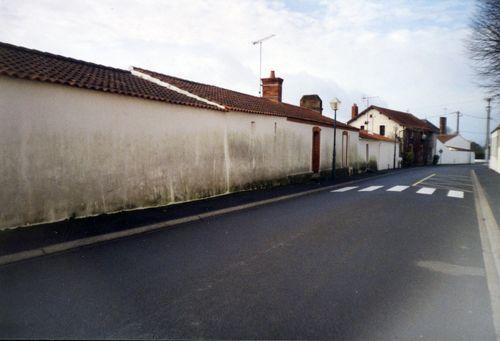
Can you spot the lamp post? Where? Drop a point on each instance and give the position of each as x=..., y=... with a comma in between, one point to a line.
x=334, y=104
x=396, y=138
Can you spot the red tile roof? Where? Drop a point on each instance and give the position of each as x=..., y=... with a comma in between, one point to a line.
x=238, y=101
x=20, y=62
x=403, y=118
x=366, y=135
x=459, y=149
x=431, y=126
x=445, y=137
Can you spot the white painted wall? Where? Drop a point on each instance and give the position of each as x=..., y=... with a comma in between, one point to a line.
x=495, y=151
x=375, y=122
x=459, y=142
x=72, y=152
x=380, y=151
x=453, y=156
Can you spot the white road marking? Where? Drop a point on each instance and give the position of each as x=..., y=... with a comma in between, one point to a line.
x=345, y=189
x=397, y=188
x=451, y=269
x=426, y=190
x=427, y=177
x=456, y=194
x=371, y=188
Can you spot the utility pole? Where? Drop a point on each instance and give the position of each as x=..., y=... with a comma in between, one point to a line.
x=260, y=41
x=458, y=120
x=488, y=118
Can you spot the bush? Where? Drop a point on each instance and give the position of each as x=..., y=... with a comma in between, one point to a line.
x=408, y=159
x=435, y=159
x=359, y=167
x=372, y=165
x=342, y=172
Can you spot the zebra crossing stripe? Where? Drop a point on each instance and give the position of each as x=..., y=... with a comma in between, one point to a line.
x=344, y=189
x=397, y=188
x=371, y=188
x=426, y=190
x=456, y=194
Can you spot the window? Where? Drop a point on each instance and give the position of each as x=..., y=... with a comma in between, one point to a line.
x=382, y=130
x=362, y=127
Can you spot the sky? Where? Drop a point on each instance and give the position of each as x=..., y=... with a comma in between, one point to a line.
x=407, y=55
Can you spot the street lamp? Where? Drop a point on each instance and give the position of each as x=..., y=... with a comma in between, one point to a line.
x=396, y=138
x=334, y=104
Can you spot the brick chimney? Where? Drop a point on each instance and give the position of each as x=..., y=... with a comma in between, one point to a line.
x=442, y=125
x=312, y=102
x=272, y=87
x=354, y=110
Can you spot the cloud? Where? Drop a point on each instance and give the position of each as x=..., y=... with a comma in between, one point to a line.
x=410, y=55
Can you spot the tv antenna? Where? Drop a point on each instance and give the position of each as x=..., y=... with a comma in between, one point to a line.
x=367, y=99
x=260, y=41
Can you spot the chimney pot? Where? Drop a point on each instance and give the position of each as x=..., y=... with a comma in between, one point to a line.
x=272, y=87
x=312, y=102
x=354, y=110
x=442, y=125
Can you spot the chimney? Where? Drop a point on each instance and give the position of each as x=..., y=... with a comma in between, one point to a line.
x=271, y=87
x=442, y=125
x=354, y=110
x=312, y=102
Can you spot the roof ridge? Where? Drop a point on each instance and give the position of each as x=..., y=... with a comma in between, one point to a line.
x=194, y=82
x=60, y=57
x=226, y=89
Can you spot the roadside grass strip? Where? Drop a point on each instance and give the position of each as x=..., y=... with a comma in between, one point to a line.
x=426, y=190
x=397, y=188
x=456, y=194
x=370, y=188
x=344, y=189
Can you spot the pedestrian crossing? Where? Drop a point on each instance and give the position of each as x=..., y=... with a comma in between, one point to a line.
x=400, y=188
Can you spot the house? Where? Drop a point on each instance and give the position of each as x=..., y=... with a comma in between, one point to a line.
x=382, y=150
x=495, y=149
x=416, y=137
x=80, y=139
x=453, y=148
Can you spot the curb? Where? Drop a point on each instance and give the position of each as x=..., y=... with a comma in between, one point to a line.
x=73, y=244
x=490, y=244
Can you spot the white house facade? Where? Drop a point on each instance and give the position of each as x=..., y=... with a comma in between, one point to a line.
x=414, y=136
x=379, y=149
x=454, y=150
x=79, y=139
x=494, y=162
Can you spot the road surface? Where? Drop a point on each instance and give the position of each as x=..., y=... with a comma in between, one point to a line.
x=384, y=260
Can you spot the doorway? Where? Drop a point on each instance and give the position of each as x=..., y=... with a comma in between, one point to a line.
x=315, y=149
x=345, y=145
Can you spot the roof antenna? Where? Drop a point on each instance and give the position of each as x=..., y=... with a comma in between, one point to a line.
x=367, y=99
x=260, y=41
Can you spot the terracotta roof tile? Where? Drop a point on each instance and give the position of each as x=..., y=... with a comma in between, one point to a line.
x=20, y=62
x=445, y=137
x=431, y=126
x=238, y=101
x=366, y=135
x=403, y=118
x=459, y=149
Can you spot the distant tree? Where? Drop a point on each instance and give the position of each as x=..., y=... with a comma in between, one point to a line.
x=478, y=150
x=484, y=44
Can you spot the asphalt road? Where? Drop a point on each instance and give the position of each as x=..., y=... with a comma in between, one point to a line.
x=346, y=265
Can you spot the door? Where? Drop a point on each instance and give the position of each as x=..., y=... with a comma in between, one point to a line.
x=315, y=149
x=345, y=141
